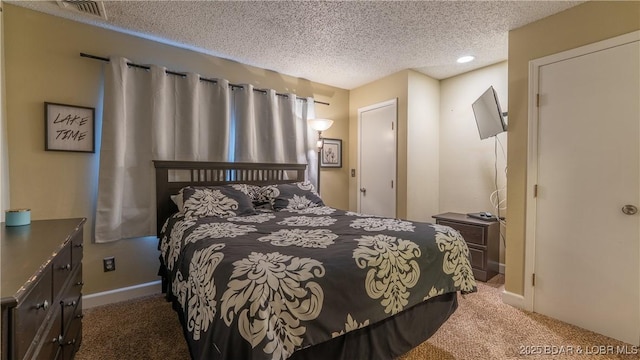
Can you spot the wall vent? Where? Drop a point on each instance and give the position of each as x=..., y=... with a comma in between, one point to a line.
x=93, y=8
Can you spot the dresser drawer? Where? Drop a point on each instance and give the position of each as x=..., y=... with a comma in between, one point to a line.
x=61, y=268
x=76, y=249
x=73, y=334
x=71, y=298
x=472, y=234
x=50, y=343
x=31, y=313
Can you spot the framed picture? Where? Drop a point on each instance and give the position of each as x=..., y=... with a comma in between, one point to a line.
x=69, y=128
x=331, y=156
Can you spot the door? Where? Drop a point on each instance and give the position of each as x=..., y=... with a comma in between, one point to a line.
x=377, y=159
x=587, y=235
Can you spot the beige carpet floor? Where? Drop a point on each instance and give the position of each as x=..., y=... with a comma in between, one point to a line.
x=482, y=328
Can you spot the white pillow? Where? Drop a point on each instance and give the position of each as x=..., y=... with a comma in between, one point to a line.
x=177, y=199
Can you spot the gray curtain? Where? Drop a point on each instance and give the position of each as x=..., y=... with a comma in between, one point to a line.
x=150, y=115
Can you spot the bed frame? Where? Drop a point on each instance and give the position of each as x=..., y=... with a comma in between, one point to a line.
x=171, y=176
x=383, y=340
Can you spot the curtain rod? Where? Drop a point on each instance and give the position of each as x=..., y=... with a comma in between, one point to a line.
x=183, y=75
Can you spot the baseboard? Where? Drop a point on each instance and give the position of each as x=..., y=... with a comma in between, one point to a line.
x=515, y=300
x=501, y=268
x=122, y=294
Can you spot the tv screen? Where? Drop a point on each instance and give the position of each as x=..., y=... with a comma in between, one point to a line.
x=488, y=114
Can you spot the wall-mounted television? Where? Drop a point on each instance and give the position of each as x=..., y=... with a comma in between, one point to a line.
x=489, y=115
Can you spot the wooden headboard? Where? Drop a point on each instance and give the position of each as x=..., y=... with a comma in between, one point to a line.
x=171, y=176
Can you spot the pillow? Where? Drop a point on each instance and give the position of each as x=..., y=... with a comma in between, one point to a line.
x=256, y=194
x=221, y=201
x=295, y=196
x=253, y=191
x=177, y=199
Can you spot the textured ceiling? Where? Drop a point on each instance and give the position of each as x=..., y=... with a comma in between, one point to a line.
x=344, y=44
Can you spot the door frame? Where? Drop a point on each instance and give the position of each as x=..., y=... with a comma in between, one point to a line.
x=532, y=152
x=393, y=102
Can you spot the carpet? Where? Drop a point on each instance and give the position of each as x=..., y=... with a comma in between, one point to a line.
x=482, y=328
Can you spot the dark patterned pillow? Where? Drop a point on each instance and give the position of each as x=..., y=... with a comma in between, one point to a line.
x=295, y=196
x=255, y=194
x=221, y=201
x=252, y=191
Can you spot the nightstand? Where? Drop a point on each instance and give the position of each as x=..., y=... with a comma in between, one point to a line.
x=483, y=240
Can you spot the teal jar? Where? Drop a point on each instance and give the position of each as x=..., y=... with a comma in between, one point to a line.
x=17, y=217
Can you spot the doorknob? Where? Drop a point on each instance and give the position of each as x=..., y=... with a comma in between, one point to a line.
x=629, y=210
x=363, y=191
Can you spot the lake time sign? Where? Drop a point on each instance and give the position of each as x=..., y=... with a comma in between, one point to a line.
x=69, y=128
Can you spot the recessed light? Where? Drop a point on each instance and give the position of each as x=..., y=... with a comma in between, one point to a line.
x=465, y=59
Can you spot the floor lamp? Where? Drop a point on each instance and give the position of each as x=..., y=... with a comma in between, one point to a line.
x=319, y=125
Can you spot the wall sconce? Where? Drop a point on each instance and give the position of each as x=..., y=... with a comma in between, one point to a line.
x=319, y=125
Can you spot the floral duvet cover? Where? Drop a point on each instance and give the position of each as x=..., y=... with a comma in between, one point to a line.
x=263, y=286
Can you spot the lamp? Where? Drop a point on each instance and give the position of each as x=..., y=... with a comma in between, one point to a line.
x=319, y=125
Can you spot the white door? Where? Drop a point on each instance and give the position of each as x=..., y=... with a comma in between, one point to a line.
x=377, y=159
x=587, y=266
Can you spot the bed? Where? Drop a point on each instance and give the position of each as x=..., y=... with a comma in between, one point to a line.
x=257, y=267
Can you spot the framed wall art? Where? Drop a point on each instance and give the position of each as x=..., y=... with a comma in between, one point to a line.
x=331, y=156
x=69, y=128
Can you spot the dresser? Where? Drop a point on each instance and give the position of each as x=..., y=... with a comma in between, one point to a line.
x=41, y=289
x=483, y=241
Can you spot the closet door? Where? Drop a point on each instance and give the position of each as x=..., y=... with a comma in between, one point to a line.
x=377, y=159
x=587, y=233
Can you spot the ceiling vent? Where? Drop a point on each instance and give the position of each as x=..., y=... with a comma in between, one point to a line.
x=92, y=8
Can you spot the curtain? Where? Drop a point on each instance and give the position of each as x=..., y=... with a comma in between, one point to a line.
x=309, y=150
x=151, y=115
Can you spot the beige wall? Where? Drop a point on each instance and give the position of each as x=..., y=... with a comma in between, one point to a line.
x=4, y=157
x=423, y=141
x=584, y=24
x=334, y=181
x=442, y=163
x=43, y=64
x=467, y=168
x=388, y=88
x=417, y=139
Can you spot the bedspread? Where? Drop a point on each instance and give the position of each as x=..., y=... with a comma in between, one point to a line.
x=275, y=282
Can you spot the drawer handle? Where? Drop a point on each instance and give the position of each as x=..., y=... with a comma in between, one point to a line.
x=65, y=267
x=73, y=303
x=80, y=283
x=78, y=245
x=71, y=342
x=57, y=339
x=79, y=316
x=44, y=305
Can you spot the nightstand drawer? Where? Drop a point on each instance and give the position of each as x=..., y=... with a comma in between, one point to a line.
x=477, y=258
x=482, y=275
x=471, y=234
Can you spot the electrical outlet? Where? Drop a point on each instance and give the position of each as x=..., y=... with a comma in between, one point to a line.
x=109, y=264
